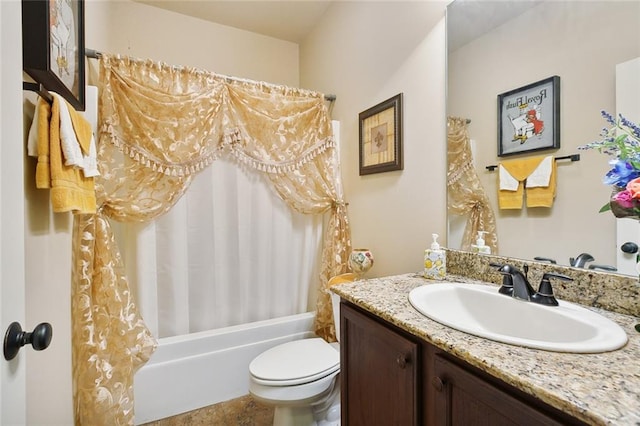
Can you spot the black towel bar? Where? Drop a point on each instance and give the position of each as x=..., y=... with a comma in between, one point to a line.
x=572, y=157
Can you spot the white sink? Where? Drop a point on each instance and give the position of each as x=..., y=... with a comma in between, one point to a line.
x=482, y=311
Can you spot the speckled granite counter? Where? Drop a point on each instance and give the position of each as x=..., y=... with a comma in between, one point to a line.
x=596, y=388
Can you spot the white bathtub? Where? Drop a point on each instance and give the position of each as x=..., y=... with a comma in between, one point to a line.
x=201, y=369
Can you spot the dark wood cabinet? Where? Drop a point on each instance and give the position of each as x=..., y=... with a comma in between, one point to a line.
x=391, y=377
x=379, y=372
x=463, y=399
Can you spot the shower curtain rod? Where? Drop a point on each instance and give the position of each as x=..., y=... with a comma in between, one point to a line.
x=91, y=53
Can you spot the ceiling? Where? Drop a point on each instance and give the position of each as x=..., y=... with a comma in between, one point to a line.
x=285, y=20
x=293, y=20
x=470, y=19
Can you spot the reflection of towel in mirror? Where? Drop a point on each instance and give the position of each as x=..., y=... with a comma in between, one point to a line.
x=539, y=174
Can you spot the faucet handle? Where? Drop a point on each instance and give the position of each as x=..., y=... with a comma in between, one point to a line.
x=544, y=295
x=603, y=267
x=507, y=278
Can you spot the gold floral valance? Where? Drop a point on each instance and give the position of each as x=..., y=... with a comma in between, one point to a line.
x=178, y=120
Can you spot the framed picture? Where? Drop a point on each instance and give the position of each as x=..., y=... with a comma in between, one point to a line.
x=381, y=137
x=53, y=47
x=529, y=118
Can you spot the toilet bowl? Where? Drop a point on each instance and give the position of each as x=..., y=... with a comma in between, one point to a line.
x=300, y=379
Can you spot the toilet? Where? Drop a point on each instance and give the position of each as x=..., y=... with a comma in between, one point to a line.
x=300, y=378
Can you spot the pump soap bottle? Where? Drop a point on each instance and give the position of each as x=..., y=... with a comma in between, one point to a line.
x=480, y=246
x=435, y=261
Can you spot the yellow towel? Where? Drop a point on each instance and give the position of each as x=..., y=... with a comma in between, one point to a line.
x=543, y=196
x=536, y=197
x=70, y=190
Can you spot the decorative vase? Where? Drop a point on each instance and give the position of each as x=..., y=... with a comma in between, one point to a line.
x=360, y=261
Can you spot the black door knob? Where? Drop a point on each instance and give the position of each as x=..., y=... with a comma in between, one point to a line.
x=629, y=247
x=15, y=338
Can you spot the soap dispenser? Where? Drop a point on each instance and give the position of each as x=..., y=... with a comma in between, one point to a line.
x=480, y=246
x=435, y=260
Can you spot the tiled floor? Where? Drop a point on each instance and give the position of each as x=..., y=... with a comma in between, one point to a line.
x=243, y=411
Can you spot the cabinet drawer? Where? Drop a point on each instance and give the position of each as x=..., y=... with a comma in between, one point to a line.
x=462, y=398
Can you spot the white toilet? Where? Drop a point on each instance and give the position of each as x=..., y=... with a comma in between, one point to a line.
x=300, y=379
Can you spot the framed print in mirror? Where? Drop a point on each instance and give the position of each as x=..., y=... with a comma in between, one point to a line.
x=529, y=118
x=381, y=137
x=53, y=47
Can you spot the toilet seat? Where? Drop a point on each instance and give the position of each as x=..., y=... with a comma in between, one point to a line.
x=295, y=363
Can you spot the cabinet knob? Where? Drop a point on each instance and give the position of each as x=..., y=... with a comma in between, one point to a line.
x=403, y=360
x=437, y=383
x=629, y=247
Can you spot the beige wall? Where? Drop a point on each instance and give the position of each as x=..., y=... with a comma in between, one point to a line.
x=581, y=42
x=138, y=30
x=365, y=53
x=143, y=31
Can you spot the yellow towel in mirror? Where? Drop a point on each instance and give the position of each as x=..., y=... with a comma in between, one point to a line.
x=519, y=170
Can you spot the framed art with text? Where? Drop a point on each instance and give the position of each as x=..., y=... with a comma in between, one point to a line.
x=381, y=137
x=53, y=47
x=529, y=118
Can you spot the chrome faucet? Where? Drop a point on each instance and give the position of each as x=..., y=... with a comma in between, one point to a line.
x=521, y=289
x=581, y=260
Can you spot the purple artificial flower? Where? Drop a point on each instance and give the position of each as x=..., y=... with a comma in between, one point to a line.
x=608, y=117
x=624, y=199
x=622, y=173
x=635, y=129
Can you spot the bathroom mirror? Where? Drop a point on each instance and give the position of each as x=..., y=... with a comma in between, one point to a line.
x=498, y=46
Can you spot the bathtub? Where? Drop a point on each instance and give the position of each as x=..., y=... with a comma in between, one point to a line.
x=200, y=369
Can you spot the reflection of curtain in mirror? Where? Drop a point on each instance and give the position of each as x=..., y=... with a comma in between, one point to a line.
x=465, y=195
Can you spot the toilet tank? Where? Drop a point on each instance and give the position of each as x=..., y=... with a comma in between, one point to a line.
x=335, y=299
x=335, y=304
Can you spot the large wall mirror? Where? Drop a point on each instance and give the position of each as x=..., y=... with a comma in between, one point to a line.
x=498, y=46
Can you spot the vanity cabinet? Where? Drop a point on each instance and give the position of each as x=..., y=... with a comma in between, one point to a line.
x=391, y=377
x=379, y=372
x=462, y=398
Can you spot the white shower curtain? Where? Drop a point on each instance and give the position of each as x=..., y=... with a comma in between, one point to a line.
x=203, y=266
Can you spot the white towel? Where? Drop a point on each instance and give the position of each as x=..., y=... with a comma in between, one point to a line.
x=541, y=176
x=507, y=182
x=71, y=149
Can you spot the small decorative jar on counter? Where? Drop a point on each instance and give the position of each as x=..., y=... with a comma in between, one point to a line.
x=360, y=261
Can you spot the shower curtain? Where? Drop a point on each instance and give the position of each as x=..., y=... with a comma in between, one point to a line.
x=159, y=126
x=229, y=252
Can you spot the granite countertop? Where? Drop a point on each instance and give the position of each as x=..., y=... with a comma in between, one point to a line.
x=598, y=389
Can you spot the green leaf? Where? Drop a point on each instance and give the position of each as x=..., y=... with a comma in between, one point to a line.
x=605, y=208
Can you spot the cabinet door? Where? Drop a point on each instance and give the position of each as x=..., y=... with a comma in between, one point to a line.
x=379, y=369
x=462, y=398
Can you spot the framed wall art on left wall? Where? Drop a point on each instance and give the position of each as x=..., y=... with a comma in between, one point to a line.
x=53, y=47
x=381, y=137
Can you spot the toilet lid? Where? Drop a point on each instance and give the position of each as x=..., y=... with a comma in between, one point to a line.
x=296, y=362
